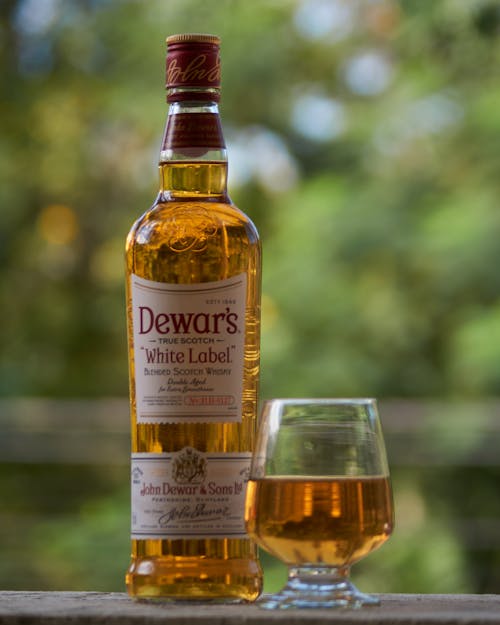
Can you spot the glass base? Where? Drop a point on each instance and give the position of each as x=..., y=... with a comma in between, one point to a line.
x=318, y=587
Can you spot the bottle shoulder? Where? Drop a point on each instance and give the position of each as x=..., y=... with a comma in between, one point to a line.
x=191, y=242
x=178, y=218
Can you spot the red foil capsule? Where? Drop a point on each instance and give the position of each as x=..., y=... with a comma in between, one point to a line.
x=193, y=67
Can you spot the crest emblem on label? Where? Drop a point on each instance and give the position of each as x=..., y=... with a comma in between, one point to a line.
x=189, y=467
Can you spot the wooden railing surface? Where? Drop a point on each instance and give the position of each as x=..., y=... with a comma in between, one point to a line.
x=70, y=608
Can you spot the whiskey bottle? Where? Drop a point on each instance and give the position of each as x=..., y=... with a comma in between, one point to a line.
x=193, y=307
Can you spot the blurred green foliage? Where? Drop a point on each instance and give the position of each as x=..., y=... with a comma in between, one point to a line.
x=364, y=142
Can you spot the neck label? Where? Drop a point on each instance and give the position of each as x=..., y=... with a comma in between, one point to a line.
x=193, y=130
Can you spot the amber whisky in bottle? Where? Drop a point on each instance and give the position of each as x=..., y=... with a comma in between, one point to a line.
x=193, y=306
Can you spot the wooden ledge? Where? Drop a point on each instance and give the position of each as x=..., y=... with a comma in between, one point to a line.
x=94, y=608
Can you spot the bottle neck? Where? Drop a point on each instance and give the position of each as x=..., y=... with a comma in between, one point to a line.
x=193, y=158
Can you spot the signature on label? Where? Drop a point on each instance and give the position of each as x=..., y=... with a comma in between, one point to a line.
x=198, y=513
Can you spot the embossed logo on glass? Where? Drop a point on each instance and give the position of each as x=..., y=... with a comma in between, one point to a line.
x=189, y=227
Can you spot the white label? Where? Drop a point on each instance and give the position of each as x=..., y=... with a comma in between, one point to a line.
x=189, y=494
x=189, y=343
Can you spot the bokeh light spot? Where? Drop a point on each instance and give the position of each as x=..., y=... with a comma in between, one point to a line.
x=368, y=73
x=318, y=117
x=58, y=224
x=318, y=19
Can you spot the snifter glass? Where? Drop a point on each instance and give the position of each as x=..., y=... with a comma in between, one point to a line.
x=319, y=497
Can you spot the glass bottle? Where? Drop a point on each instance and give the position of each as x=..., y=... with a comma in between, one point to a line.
x=193, y=304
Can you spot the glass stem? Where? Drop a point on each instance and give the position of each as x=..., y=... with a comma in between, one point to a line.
x=318, y=577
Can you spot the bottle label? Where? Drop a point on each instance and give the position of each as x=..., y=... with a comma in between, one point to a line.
x=189, y=494
x=193, y=130
x=189, y=343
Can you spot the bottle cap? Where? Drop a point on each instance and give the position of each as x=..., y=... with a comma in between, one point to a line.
x=193, y=67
